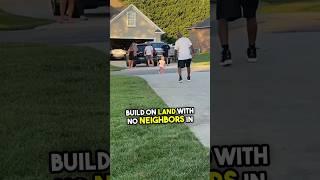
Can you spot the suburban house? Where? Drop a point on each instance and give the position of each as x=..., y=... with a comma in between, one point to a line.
x=129, y=24
x=199, y=34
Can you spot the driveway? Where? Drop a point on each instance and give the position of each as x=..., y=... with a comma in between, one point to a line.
x=31, y=8
x=187, y=94
x=91, y=33
x=274, y=101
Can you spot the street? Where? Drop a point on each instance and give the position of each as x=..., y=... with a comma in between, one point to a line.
x=274, y=101
x=91, y=33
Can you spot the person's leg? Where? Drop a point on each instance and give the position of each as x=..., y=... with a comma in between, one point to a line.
x=71, y=4
x=63, y=6
x=223, y=31
x=80, y=9
x=252, y=29
x=188, y=65
x=224, y=41
x=179, y=72
x=249, y=11
x=148, y=61
x=188, y=71
x=130, y=64
x=180, y=66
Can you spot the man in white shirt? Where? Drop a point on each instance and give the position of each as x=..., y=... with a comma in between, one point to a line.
x=148, y=53
x=185, y=52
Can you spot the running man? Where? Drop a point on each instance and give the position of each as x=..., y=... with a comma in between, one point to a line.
x=230, y=10
x=185, y=51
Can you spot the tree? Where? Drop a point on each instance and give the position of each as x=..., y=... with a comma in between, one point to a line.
x=174, y=15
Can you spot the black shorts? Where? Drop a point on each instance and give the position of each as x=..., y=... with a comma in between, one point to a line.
x=184, y=63
x=235, y=9
x=131, y=55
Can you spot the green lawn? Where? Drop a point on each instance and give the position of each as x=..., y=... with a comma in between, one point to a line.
x=115, y=68
x=51, y=99
x=152, y=151
x=291, y=6
x=203, y=57
x=201, y=61
x=14, y=22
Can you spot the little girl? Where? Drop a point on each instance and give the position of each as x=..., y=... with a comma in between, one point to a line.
x=162, y=64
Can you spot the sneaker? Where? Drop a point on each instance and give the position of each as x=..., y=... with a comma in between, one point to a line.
x=226, y=58
x=188, y=78
x=180, y=79
x=252, y=54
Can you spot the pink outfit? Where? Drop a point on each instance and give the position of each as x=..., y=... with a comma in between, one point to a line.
x=162, y=64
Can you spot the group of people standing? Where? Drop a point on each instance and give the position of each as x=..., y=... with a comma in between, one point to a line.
x=183, y=49
x=149, y=53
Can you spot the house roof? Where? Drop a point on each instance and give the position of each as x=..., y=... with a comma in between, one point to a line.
x=117, y=13
x=202, y=24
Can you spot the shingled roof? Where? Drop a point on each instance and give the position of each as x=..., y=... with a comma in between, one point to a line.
x=202, y=24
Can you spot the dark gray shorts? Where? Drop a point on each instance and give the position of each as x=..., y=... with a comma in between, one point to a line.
x=235, y=9
x=184, y=63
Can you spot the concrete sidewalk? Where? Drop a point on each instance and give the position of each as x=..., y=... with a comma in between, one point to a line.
x=187, y=94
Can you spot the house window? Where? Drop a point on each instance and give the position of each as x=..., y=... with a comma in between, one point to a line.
x=132, y=18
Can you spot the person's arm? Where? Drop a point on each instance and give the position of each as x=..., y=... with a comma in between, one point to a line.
x=192, y=51
x=191, y=48
x=176, y=49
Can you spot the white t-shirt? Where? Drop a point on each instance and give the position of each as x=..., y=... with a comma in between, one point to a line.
x=183, y=45
x=148, y=50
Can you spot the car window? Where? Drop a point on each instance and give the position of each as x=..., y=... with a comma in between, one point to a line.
x=157, y=45
x=141, y=47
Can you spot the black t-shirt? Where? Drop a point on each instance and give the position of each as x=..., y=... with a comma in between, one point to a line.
x=165, y=50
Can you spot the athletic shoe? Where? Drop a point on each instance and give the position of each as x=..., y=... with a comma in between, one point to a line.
x=188, y=78
x=252, y=54
x=180, y=79
x=226, y=58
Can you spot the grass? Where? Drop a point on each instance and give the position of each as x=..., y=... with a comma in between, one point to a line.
x=14, y=22
x=203, y=57
x=291, y=6
x=201, y=61
x=51, y=99
x=152, y=151
x=115, y=68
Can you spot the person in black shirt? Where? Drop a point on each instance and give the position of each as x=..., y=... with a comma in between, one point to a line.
x=165, y=48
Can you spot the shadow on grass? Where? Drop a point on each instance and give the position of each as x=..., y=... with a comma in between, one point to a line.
x=52, y=98
x=10, y=22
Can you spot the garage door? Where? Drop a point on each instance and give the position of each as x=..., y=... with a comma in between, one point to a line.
x=125, y=43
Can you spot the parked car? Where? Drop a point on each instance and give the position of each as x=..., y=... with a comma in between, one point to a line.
x=141, y=59
x=172, y=56
x=85, y=4
x=118, y=54
x=158, y=46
